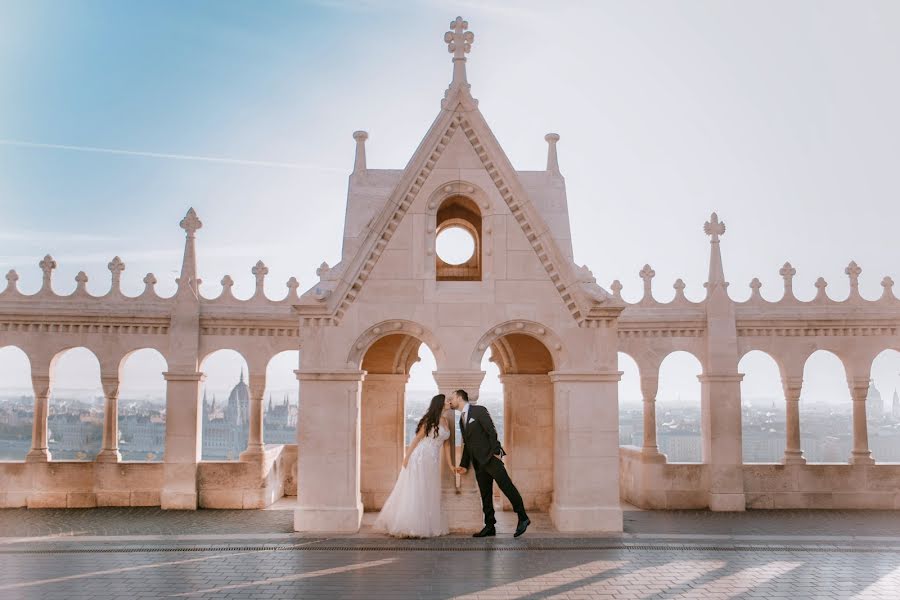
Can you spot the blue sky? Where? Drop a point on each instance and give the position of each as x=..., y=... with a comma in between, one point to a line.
x=781, y=116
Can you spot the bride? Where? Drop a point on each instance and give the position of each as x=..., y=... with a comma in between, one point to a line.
x=414, y=507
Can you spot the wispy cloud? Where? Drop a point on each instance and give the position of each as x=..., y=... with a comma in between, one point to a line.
x=169, y=156
x=55, y=236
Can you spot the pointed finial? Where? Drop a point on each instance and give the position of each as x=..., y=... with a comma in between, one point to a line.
x=323, y=270
x=190, y=223
x=459, y=43
x=552, y=160
x=714, y=228
x=359, y=162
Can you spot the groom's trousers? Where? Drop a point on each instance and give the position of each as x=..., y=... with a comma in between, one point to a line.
x=486, y=475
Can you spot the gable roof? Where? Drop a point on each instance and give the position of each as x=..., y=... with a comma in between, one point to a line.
x=459, y=111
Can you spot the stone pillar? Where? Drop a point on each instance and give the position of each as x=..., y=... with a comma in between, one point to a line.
x=183, y=440
x=586, y=452
x=793, y=454
x=328, y=448
x=650, y=449
x=256, y=447
x=528, y=437
x=461, y=502
x=40, y=451
x=860, y=455
x=722, y=452
x=382, y=436
x=110, y=450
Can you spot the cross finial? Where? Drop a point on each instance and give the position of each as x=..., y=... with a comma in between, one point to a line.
x=191, y=223
x=714, y=228
x=459, y=43
x=853, y=270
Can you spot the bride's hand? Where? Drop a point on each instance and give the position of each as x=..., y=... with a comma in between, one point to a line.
x=405, y=462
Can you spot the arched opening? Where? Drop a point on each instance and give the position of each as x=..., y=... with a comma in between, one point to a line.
x=16, y=404
x=525, y=423
x=883, y=407
x=458, y=240
x=678, y=413
x=142, y=406
x=763, y=415
x=75, y=415
x=631, y=403
x=281, y=402
x=384, y=426
x=225, y=406
x=826, y=417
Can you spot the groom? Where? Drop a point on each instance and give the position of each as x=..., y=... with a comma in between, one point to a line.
x=482, y=449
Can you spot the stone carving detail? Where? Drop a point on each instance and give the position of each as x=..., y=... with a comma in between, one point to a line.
x=853, y=270
x=787, y=273
x=260, y=270
x=116, y=266
x=191, y=223
x=47, y=266
x=714, y=227
x=647, y=274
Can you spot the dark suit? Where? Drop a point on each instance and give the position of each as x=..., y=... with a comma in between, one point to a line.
x=480, y=449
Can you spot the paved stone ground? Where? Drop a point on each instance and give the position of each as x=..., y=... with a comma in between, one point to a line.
x=153, y=521
x=251, y=554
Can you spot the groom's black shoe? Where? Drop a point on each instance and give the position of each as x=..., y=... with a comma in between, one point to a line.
x=488, y=531
x=522, y=526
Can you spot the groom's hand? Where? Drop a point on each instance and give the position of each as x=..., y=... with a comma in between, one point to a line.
x=461, y=470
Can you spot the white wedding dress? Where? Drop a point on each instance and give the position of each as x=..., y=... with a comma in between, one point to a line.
x=414, y=507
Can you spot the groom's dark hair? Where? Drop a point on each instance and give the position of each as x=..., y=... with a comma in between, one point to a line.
x=462, y=394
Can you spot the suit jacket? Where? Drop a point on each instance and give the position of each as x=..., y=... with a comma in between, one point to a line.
x=479, y=435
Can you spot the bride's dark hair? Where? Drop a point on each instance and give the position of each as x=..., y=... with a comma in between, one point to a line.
x=432, y=417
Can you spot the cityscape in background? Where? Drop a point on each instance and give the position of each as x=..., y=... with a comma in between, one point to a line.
x=76, y=420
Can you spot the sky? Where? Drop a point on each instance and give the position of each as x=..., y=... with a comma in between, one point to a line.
x=116, y=117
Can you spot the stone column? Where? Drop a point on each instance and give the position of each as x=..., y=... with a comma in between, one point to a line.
x=110, y=450
x=793, y=454
x=859, y=390
x=40, y=451
x=722, y=452
x=528, y=437
x=462, y=502
x=183, y=440
x=586, y=452
x=382, y=436
x=328, y=447
x=256, y=446
x=650, y=449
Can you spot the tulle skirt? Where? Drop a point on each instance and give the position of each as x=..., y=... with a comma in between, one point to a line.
x=413, y=510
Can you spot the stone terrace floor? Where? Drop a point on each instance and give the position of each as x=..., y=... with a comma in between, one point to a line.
x=149, y=553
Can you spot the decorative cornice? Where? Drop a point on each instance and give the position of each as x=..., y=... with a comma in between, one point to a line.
x=585, y=376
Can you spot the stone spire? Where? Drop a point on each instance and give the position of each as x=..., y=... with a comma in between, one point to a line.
x=552, y=160
x=714, y=228
x=188, y=280
x=359, y=163
x=459, y=43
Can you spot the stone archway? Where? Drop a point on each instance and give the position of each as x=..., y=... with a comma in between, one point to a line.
x=525, y=365
x=387, y=362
